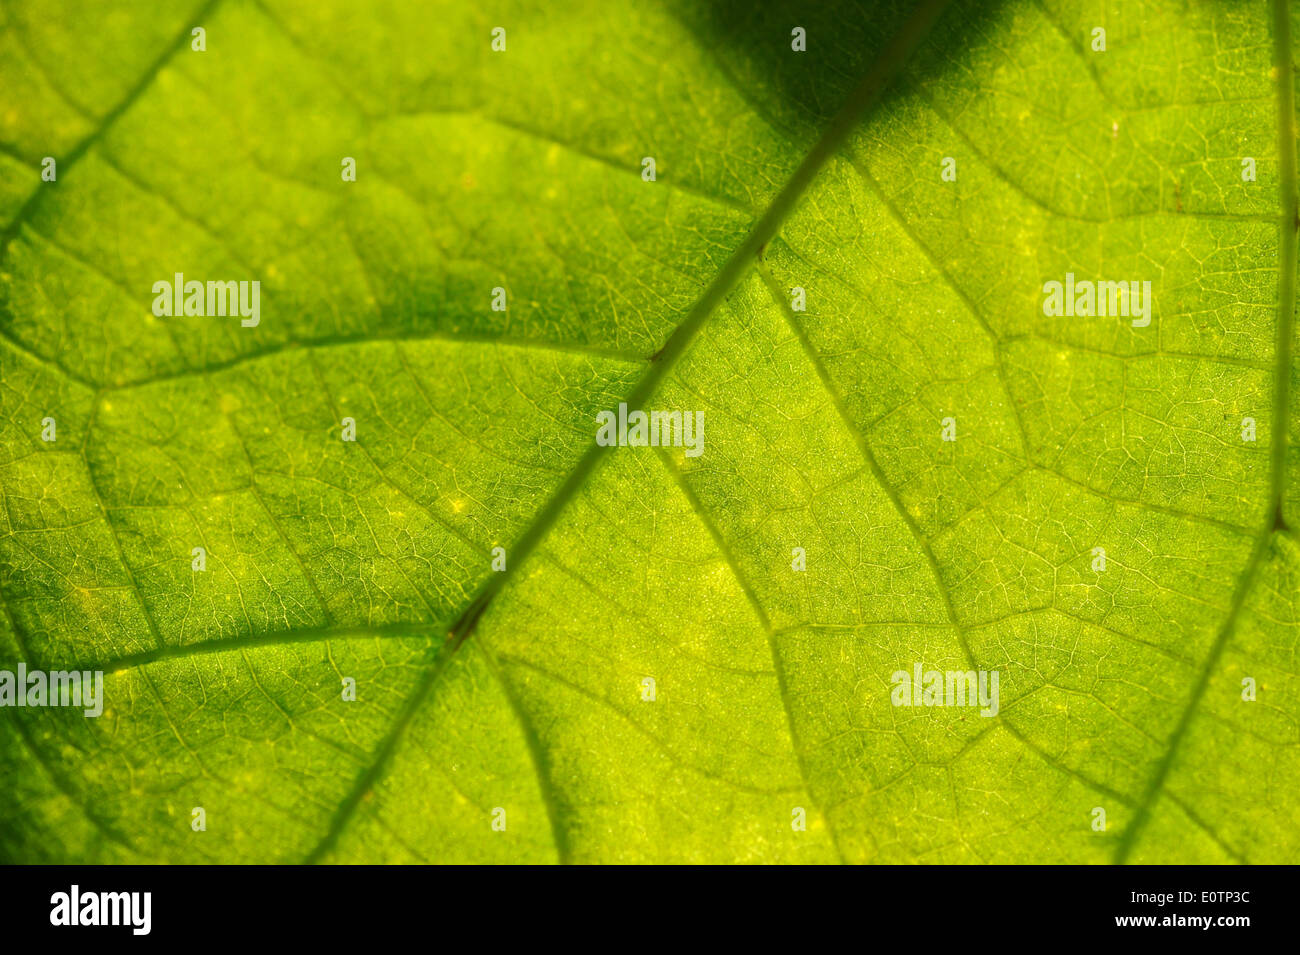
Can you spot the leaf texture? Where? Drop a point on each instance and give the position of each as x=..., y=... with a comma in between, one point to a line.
x=523, y=689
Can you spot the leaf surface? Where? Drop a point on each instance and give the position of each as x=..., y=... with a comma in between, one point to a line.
x=522, y=689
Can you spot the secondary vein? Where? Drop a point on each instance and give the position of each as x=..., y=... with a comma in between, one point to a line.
x=1273, y=517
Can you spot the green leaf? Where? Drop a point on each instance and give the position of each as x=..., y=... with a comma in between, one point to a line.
x=524, y=689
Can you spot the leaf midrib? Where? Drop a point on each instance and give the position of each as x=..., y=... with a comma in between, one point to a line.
x=868, y=90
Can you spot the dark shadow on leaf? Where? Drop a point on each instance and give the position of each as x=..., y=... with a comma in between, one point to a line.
x=801, y=91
